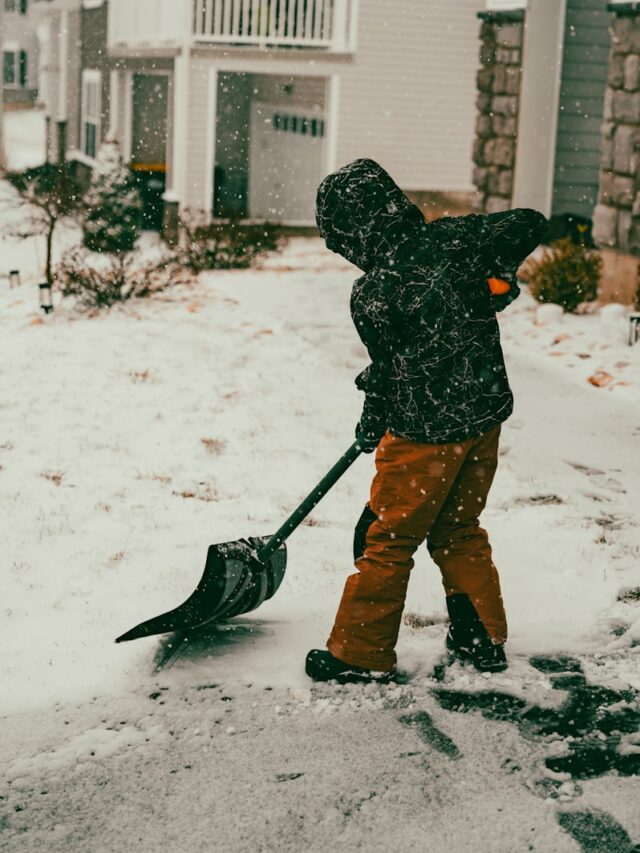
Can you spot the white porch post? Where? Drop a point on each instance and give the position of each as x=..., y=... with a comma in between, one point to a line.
x=212, y=101
x=63, y=95
x=331, y=129
x=539, y=103
x=339, y=34
x=177, y=192
x=114, y=105
x=127, y=143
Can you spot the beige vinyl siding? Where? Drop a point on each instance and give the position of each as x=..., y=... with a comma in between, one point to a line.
x=408, y=100
x=304, y=91
x=407, y=95
x=584, y=79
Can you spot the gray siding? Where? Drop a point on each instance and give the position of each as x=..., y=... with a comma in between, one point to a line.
x=584, y=76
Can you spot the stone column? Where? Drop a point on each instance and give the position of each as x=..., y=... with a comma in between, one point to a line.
x=498, y=83
x=616, y=221
x=616, y=218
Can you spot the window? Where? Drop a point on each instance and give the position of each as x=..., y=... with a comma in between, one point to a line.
x=9, y=68
x=14, y=68
x=16, y=6
x=298, y=124
x=91, y=111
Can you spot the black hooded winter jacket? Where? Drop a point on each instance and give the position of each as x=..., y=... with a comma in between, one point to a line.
x=423, y=307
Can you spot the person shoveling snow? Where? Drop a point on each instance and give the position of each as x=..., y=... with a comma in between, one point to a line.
x=436, y=394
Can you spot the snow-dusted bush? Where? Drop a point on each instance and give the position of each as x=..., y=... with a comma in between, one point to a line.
x=112, y=205
x=100, y=280
x=565, y=274
x=225, y=244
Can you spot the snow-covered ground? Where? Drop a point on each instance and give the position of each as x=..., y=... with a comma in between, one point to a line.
x=134, y=438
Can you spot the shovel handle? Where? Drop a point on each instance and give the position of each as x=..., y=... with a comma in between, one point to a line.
x=312, y=500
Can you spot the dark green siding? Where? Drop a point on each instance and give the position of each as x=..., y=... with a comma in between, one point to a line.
x=584, y=76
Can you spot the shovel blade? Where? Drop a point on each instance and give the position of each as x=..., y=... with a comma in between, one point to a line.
x=234, y=581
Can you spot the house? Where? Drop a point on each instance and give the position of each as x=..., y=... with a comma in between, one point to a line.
x=20, y=52
x=240, y=107
x=558, y=121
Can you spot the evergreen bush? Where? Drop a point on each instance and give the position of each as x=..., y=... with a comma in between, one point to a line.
x=112, y=206
x=225, y=244
x=566, y=274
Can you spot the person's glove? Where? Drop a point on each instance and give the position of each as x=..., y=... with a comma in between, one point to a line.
x=372, y=424
x=367, y=442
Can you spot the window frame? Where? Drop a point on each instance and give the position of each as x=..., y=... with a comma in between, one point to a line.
x=16, y=7
x=20, y=67
x=90, y=112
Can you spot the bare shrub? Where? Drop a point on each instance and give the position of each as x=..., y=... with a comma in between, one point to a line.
x=225, y=244
x=98, y=281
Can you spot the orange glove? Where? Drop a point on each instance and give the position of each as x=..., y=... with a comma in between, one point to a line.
x=498, y=286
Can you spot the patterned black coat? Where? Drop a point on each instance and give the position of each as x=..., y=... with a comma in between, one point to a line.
x=423, y=307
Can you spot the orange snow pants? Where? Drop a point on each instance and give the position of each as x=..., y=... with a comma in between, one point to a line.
x=420, y=491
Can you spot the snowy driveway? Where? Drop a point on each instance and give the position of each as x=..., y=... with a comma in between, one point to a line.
x=133, y=439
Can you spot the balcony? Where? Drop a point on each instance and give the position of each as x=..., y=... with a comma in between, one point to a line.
x=319, y=24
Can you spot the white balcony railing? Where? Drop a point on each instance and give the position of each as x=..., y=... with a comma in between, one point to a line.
x=325, y=24
x=320, y=24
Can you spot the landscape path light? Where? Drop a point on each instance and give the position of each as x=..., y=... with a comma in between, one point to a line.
x=46, y=301
x=14, y=278
x=634, y=327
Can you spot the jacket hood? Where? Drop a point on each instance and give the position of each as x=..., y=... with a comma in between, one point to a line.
x=364, y=216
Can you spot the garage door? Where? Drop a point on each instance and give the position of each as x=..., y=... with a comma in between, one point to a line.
x=285, y=162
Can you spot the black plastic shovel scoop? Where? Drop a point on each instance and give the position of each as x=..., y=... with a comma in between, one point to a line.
x=239, y=576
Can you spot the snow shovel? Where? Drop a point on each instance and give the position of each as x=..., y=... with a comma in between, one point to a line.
x=238, y=576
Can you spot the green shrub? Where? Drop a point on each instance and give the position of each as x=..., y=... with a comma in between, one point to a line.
x=112, y=205
x=566, y=274
x=225, y=244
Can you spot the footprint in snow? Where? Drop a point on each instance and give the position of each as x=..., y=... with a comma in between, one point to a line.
x=595, y=723
x=599, y=478
x=429, y=733
x=597, y=832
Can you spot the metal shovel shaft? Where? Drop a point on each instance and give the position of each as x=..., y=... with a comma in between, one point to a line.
x=313, y=499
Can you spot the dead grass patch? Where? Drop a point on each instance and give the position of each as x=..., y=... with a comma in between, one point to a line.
x=55, y=477
x=203, y=492
x=213, y=445
x=140, y=375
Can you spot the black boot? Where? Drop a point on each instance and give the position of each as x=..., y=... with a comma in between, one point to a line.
x=322, y=666
x=468, y=639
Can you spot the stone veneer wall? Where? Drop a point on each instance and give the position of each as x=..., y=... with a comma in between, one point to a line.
x=616, y=220
x=498, y=82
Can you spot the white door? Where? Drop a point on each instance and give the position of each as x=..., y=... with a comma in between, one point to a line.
x=285, y=162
